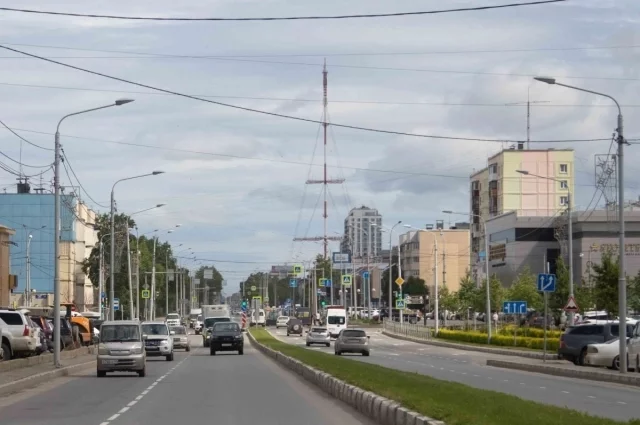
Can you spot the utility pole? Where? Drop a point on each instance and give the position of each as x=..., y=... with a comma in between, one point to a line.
x=138, y=283
x=28, y=282
x=153, y=281
x=325, y=181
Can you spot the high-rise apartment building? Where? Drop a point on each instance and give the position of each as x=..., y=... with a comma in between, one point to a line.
x=499, y=188
x=362, y=233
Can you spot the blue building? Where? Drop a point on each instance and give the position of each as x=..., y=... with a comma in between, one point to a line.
x=32, y=214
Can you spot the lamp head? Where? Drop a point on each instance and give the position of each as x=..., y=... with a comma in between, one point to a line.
x=155, y=173
x=545, y=80
x=121, y=102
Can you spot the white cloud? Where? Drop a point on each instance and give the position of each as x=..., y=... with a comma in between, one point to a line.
x=245, y=207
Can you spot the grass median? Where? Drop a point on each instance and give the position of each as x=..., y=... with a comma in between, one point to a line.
x=453, y=403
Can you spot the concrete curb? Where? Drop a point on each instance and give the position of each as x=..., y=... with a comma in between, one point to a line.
x=380, y=409
x=42, y=359
x=489, y=350
x=591, y=375
x=35, y=380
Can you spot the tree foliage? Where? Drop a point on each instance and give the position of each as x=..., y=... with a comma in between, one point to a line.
x=606, y=284
x=525, y=288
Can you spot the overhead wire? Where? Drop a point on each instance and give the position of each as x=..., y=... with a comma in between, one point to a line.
x=22, y=138
x=282, y=18
x=274, y=114
x=64, y=154
x=22, y=164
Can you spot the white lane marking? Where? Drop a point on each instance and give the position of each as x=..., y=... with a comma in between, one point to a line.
x=522, y=383
x=621, y=402
x=590, y=396
x=565, y=392
x=393, y=354
x=143, y=393
x=543, y=388
x=476, y=376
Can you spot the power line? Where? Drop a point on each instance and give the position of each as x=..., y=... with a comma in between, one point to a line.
x=24, y=165
x=285, y=18
x=365, y=102
x=325, y=55
x=22, y=138
x=66, y=158
x=274, y=114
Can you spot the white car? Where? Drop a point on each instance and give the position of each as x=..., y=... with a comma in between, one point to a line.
x=282, y=321
x=604, y=354
x=173, y=319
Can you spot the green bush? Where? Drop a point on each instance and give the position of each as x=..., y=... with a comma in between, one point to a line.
x=529, y=332
x=499, y=340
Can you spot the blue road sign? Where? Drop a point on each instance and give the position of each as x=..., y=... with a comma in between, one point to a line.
x=116, y=304
x=546, y=282
x=293, y=283
x=327, y=283
x=399, y=303
x=365, y=275
x=104, y=295
x=514, y=307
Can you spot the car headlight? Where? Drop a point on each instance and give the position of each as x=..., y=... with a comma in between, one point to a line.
x=164, y=342
x=103, y=351
x=238, y=337
x=136, y=351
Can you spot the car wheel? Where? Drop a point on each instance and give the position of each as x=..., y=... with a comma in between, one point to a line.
x=170, y=357
x=583, y=354
x=142, y=373
x=241, y=351
x=328, y=344
x=338, y=353
x=101, y=373
x=188, y=348
x=5, y=352
x=212, y=352
x=308, y=344
x=365, y=353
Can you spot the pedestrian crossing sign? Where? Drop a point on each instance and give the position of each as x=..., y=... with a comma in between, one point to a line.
x=146, y=294
x=346, y=280
x=298, y=269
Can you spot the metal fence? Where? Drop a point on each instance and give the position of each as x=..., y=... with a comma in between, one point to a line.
x=407, y=329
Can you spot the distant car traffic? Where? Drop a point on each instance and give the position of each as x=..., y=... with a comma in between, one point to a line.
x=226, y=336
x=352, y=341
x=181, y=338
x=282, y=321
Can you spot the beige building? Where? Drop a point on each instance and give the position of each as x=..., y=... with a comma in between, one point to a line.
x=418, y=256
x=499, y=188
x=7, y=281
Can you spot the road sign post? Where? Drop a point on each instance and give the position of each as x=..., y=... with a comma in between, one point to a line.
x=399, y=281
x=546, y=283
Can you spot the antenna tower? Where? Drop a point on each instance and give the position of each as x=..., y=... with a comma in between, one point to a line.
x=325, y=180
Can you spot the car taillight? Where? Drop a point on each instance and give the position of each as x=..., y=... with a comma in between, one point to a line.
x=26, y=331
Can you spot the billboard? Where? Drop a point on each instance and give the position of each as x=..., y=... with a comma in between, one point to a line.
x=341, y=257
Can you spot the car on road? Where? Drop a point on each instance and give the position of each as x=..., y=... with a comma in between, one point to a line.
x=207, y=327
x=282, y=321
x=226, y=336
x=172, y=319
x=121, y=348
x=318, y=335
x=294, y=326
x=181, y=338
x=352, y=341
x=159, y=341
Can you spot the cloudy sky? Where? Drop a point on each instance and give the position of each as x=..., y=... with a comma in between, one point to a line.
x=235, y=179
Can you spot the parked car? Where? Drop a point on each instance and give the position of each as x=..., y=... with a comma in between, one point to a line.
x=19, y=338
x=352, y=341
x=605, y=354
x=574, y=341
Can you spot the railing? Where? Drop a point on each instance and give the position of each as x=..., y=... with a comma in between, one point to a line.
x=407, y=329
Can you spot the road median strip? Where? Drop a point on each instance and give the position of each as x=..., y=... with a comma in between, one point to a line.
x=393, y=397
x=470, y=347
x=582, y=373
x=42, y=359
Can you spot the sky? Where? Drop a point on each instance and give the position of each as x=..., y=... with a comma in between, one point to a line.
x=235, y=180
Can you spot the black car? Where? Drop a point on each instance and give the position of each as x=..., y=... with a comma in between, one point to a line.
x=226, y=336
x=208, y=325
x=294, y=326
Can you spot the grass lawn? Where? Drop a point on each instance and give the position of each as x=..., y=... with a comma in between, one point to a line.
x=453, y=403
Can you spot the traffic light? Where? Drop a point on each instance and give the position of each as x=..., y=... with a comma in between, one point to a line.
x=323, y=303
x=244, y=304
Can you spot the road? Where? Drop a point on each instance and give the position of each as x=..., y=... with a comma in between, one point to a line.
x=466, y=367
x=195, y=388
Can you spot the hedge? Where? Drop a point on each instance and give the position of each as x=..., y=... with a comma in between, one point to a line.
x=499, y=340
x=529, y=332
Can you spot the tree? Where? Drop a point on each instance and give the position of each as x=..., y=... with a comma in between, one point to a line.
x=497, y=295
x=525, y=288
x=606, y=279
x=633, y=293
x=413, y=286
x=447, y=300
x=469, y=294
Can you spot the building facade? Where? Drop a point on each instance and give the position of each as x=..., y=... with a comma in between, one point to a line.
x=32, y=214
x=7, y=279
x=418, y=256
x=362, y=233
x=500, y=188
x=518, y=242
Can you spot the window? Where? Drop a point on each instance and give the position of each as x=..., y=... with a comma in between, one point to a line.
x=155, y=329
x=353, y=334
x=564, y=184
x=564, y=200
x=335, y=320
x=179, y=330
x=564, y=168
x=119, y=333
x=11, y=319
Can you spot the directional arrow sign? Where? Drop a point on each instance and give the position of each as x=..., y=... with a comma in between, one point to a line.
x=365, y=275
x=546, y=282
x=514, y=307
x=293, y=283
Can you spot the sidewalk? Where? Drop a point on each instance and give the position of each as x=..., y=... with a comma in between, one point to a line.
x=25, y=377
x=503, y=351
x=569, y=370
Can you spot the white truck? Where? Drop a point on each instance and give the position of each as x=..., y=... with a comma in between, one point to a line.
x=215, y=310
x=193, y=317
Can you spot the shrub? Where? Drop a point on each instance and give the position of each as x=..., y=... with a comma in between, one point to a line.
x=500, y=340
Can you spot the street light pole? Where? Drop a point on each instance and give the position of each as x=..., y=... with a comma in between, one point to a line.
x=391, y=266
x=56, y=235
x=570, y=236
x=112, y=274
x=486, y=260
x=622, y=277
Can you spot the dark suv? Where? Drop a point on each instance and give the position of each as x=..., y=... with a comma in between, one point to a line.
x=574, y=341
x=226, y=336
x=294, y=326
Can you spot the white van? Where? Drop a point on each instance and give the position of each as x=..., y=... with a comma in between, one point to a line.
x=336, y=319
x=262, y=318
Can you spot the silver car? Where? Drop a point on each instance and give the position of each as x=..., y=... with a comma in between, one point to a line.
x=352, y=341
x=158, y=339
x=121, y=348
x=181, y=338
x=318, y=335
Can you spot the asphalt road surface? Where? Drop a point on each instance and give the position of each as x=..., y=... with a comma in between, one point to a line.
x=195, y=388
x=467, y=367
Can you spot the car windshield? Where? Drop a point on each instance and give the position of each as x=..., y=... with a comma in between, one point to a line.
x=173, y=317
x=335, y=320
x=353, y=334
x=200, y=317
x=179, y=330
x=283, y=318
x=155, y=329
x=318, y=329
x=119, y=333
x=210, y=321
x=226, y=327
